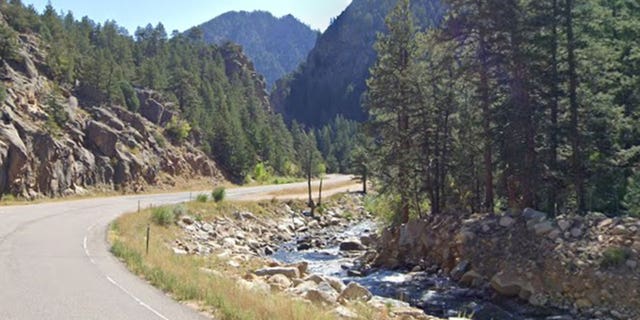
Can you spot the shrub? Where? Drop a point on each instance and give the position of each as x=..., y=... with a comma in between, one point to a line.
x=613, y=257
x=202, y=198
x=130, y=96
x=3, y=93
x=178, y=130
x=162, y=216
x=218, y=194
x=162, y=142
x=179, y=210
x=261, y=173
x=632, y=197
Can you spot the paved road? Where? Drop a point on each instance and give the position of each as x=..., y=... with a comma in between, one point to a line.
x=55, y=263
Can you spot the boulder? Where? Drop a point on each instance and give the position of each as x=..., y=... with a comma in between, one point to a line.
x=320, y=297
x=279, y=282
x=511, y=285
x=564, y=225
x=152, y=110
x=533, y=215
x=507, y=221
x=354, y=292
x=102, y=138
x=289, y=272
x=471, y=279
x=352, y=245
x=543, y=228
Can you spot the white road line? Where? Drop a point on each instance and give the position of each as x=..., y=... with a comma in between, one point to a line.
x=136, y=299
x=158, y=314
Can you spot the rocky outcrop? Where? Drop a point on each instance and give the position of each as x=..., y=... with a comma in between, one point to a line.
x=238, y=64
x=153, y=110
x=52, y=145
x=588, y=264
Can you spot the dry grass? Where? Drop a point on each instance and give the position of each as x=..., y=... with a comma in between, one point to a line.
x=315, y=186
x=181, y=276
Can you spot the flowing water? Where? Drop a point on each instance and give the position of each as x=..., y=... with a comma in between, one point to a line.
x=436, y=295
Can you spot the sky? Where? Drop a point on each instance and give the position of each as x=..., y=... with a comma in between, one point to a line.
x=183, y=14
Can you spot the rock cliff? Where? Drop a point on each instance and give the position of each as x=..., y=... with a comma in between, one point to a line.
x=52, y=145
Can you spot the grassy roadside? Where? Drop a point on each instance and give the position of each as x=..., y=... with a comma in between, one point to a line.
x=182, y=276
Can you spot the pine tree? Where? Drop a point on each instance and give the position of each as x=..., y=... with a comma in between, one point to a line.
x=392, y=97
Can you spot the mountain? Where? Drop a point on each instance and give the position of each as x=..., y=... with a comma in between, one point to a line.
x=276, y=45
x=84, y=105
x=332, y=80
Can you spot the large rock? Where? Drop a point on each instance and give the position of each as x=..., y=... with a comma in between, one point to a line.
x=289, y=272
x=543, y=228
x=352, y=245
x=354, y=292
x=511, y=285
x=507, y=221
x=279, y=282
x=102, y=138
x=534, y=216
x=13, y=158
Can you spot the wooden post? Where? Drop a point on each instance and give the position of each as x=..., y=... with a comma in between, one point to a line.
x=148, y=233
x=138, y=205
x=320, y=193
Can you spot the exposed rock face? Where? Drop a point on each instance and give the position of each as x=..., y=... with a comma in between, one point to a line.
x=588, y=264
x=101, y=147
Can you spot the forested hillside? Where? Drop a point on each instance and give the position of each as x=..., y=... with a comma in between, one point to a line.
x=214, y=88
x=332, y=80
x=276, y=45
x=509, y=104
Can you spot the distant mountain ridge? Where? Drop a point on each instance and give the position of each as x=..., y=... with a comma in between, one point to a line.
x=332, y=79
x=275, y=45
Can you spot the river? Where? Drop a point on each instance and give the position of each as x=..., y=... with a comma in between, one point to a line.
x=435, y=294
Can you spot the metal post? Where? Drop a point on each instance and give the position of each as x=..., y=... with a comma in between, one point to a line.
x=138, y=205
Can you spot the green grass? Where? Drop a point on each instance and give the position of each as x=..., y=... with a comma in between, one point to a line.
x=202, y=198
x=162, y=216
x=614, y=257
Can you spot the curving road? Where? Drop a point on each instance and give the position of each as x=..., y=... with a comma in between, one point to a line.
x=55, y=261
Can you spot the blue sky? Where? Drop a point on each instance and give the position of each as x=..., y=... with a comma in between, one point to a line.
x=181, y=15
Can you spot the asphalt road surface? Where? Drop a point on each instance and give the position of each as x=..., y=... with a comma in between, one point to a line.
x=55, y=261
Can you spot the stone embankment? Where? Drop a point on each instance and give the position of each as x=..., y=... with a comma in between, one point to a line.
x=244, y=238
x=587, y=265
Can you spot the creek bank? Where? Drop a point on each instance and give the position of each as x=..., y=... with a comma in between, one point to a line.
x=244, y=238
x=585, y=265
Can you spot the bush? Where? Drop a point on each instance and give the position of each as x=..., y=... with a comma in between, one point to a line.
x=130, y=96
x=632, y=197
x=261, y=173
x=613, y=257
x=162, y=216
x=3, y=93
x=178, y=130
x=162, y=142
x=218, y=194
x=179, y=210
x=202, y=198
x=8, y=43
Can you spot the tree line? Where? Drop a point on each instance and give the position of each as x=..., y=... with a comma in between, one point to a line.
x=102, y=64
x=509, y=104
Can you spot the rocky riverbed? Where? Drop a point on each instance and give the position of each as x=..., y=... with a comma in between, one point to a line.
x=337, y=236
x=326, y=259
